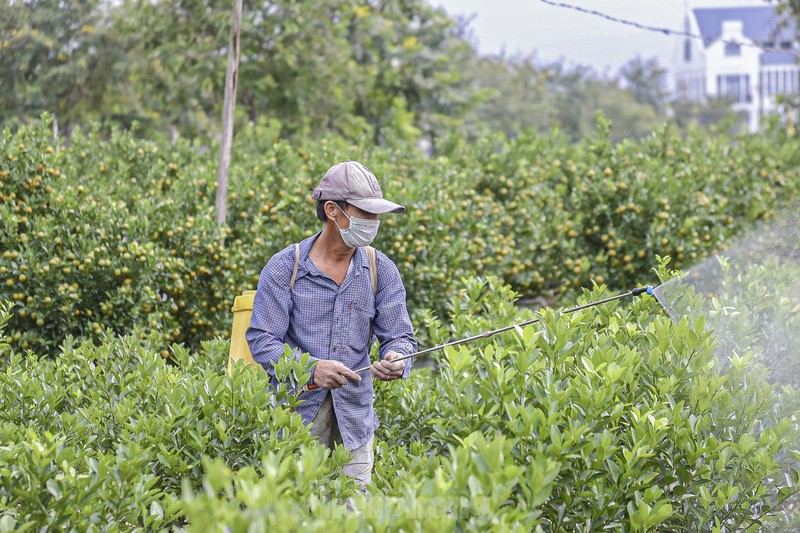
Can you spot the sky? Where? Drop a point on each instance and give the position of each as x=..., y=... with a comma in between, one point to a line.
x=555, y=33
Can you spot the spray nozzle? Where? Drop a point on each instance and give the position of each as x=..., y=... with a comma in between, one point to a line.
x=642, y=290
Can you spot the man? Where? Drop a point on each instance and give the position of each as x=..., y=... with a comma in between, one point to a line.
x=332, y=311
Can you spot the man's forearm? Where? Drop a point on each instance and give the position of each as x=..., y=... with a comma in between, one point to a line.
x=267, y=351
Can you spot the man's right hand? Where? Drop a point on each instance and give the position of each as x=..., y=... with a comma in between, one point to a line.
x=333, y=374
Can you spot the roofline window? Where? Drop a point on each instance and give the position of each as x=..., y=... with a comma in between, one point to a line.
x=733, y=49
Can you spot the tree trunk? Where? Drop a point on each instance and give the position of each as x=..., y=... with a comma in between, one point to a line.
x=231, y=82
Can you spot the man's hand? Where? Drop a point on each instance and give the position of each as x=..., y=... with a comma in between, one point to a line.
x=333, y=374
x=385, y=370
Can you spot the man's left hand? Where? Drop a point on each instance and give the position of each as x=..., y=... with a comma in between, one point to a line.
x=386, y=370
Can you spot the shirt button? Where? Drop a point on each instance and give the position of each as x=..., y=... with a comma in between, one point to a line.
x=334, y=349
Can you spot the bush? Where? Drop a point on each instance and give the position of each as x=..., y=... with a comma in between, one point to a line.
x=120, y=233
x=613, y=416
x=108, y=437
x=645, y=427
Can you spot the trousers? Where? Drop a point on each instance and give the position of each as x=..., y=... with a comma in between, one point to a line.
x=326, y=428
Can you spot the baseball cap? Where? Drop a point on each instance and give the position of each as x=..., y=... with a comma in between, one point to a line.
x=357, y=185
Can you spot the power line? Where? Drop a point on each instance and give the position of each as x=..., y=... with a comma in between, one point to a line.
x=665, y=31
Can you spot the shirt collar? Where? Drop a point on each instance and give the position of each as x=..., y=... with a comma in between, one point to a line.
x=306, y=266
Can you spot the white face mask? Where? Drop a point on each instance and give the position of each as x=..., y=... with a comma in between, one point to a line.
x=361, y=232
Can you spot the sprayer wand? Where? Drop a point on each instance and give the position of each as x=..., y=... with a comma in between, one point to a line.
x=485, y=335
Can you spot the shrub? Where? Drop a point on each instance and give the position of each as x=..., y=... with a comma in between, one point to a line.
x=643, y=427
x=118, y=233
x=107, y=437
x=613, y=416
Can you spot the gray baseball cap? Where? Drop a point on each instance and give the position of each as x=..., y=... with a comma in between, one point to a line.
x=357, y=185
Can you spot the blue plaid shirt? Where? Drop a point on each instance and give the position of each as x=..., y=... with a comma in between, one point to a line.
x=331, y=322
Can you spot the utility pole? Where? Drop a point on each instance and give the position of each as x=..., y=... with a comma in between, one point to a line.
x=231, y=83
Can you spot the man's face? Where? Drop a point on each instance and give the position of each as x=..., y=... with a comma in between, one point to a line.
x=353, y=211
x=350, y=211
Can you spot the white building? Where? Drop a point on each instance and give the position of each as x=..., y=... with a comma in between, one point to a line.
x=726, y=64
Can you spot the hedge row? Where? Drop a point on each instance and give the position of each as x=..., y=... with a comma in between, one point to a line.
x=120, y=233
x=611, y=417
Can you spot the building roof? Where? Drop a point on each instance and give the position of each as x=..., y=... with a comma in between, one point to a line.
x=760, y=23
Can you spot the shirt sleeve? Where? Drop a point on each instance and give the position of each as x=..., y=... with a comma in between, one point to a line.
x=272, y=306
x=392, y=324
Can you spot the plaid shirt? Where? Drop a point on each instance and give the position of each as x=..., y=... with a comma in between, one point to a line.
x=331, y=322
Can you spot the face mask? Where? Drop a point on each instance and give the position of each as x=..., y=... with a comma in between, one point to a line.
x=360, y=233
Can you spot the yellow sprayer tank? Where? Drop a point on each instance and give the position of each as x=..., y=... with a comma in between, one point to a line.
x=242, y=310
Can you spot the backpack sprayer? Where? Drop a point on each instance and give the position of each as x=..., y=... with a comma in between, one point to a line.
x=485, y=335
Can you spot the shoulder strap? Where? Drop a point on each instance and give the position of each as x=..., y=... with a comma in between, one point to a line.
x=373, y=267
x=373, y=273
x=296, y=264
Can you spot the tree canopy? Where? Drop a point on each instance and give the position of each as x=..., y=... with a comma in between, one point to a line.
x=385, y=69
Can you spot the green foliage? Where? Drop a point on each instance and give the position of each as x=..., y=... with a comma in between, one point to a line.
x=5, y=316
x=312, y=67
x=611, y=417
x=387, y=71
x=111, y=435
x=618, y=418
x=519, y=94
x=113, y=234
x=745, y=298
x=117, y=412
x=57, y=56
x=647, y=81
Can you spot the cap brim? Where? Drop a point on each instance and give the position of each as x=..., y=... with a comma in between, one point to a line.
x=377, y=206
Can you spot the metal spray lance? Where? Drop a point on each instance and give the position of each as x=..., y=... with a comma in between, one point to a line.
x=485, y=335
